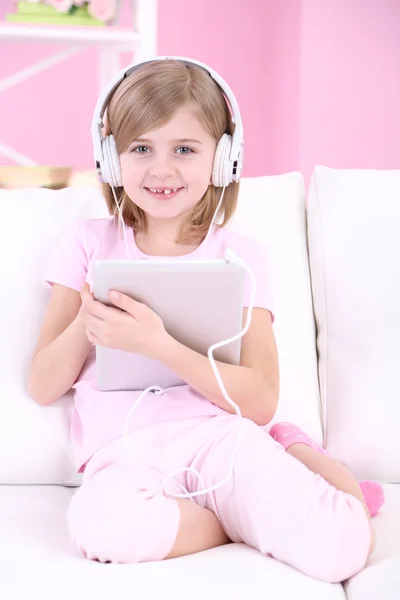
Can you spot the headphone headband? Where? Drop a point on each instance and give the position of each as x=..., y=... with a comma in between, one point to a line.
x=102, y=102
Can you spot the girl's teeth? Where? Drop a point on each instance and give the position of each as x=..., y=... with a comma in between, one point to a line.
x=163, y=191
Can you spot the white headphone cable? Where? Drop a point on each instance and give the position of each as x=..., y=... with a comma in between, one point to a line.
x=225, y=395
x=205, y=241
x=156, y=389
x=121, y=221
x=159, y=391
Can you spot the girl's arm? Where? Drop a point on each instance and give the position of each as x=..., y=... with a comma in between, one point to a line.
x=253, y=385
x=62, y=347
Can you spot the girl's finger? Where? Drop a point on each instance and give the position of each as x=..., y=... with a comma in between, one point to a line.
x=93, y=323
x=86, y=288
x=93, y=339
x=106, y=313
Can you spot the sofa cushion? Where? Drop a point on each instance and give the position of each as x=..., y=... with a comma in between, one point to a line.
x=354, y=242
x=273, y=211
x=34, y=440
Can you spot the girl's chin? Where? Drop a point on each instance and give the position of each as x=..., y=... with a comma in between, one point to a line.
x=165, y=214
x=165, y=211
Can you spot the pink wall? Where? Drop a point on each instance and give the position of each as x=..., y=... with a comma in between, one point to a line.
x=350, y=84
x=55, y=126
x=317, y=82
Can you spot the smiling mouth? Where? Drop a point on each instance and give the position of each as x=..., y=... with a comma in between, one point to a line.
x=163, y=193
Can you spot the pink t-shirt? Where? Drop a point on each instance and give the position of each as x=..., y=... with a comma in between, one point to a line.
x=99, y=416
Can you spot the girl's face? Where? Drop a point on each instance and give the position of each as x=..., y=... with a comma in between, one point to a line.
x=168, y=170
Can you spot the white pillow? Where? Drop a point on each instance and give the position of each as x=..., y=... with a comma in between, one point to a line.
x=272, y=210
x=34, y=441
x=354, y=241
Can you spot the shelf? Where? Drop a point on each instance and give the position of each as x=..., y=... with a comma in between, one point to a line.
x=91, y=35
x=140, y=42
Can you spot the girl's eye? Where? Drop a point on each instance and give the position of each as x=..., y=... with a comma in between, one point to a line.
x=146, y=150
x=185, y=149
x=140, y=149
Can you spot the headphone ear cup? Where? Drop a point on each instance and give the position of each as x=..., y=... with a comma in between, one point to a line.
x=111, y=168
x=104, y=166
x=222, y=174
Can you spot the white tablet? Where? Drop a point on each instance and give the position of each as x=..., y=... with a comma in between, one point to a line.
x=199, y=301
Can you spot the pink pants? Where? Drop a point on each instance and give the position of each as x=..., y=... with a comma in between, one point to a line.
x=272, y=502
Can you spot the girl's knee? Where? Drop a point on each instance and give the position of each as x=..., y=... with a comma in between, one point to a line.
x=113, y=524
x=349, y=544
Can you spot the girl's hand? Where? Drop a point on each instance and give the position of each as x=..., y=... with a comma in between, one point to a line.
x=132, y=327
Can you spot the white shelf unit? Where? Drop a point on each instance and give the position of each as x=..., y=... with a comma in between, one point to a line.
x=110, y=42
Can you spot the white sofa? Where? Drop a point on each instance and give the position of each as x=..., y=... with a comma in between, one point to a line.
x=336, y=277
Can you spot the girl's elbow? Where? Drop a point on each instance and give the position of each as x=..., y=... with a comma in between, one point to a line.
x=268, y=406
x=41, y=394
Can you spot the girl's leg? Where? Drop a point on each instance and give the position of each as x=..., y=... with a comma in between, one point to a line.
x=276, y=504
x=121, y=516
x=302, y=447
x=331, y=470
x=199, y=529
x=121, y=512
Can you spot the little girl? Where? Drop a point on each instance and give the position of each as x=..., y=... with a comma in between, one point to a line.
x=299, y=506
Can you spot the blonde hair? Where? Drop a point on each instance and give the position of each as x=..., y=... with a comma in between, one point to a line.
x=146, y=100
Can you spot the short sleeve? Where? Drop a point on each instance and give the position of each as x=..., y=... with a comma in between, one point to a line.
x=257, y=258
x=69, y=263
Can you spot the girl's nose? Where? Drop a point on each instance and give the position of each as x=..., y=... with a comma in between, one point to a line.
x=161, y=169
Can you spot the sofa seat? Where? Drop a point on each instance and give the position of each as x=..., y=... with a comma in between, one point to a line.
x=38, y=561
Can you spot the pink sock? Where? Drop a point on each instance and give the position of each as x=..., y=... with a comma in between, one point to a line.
x=287, y=434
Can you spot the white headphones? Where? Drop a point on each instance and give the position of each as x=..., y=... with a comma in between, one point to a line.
x=228, y=160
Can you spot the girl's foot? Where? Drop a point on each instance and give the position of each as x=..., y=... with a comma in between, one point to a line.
x=287, y=434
